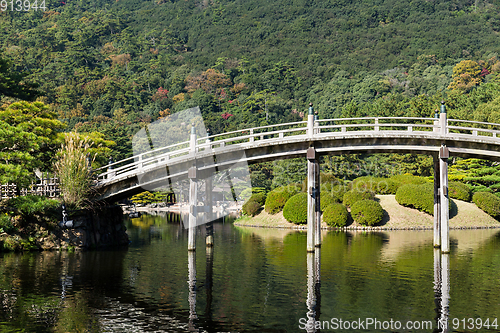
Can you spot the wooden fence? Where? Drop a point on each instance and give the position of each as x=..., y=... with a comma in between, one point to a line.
x=46, y=186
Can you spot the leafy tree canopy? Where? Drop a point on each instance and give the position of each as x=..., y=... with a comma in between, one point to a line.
x=28, y=139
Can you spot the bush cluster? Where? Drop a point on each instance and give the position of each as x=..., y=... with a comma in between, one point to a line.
x=459, y=191
x=420, y=197
x=337, y=191
x=377, y=185
x=33, y=205
x=335, y=215
x=355, y=195
x=277, y=198
x=251, y=208
x=327, y=200
x=247, y=193
x=488, y=202
x=6, y=223
x=295, y=210
x=367, y=212
x=254, y=204
x=400, y=180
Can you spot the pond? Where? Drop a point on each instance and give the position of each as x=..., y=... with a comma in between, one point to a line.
x=256, y=280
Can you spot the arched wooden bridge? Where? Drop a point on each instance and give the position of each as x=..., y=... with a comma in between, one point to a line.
x=311, y=139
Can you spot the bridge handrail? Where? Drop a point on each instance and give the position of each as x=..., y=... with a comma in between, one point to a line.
x=373, y=118
x=252, y=129
x=473, y=122
x=474, y=129
x=249, y=136
x=159, y=155
x=140, y=156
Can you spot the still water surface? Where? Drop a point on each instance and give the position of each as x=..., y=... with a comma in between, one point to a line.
x=254, y=280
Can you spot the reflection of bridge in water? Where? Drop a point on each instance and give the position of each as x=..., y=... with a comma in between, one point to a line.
x=197, y=158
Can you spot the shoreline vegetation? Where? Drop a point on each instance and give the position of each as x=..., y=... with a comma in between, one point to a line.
x=463, y=215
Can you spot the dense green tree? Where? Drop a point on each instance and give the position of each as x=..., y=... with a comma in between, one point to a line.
x=28, y=140
x=14, y=84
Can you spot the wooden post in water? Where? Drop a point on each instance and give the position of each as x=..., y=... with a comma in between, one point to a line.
x=193, y=193
x=311, y=199
x=437, y=205
x=444, y=199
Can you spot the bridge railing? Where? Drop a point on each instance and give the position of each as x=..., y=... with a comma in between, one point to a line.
x=142, y=161
x=474, y=128
x=409, y=124
x=252, y=136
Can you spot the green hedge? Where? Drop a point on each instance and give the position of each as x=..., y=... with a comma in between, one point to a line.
x=335, y=215
x=459, y=191
x=488, y=202
x=251, y=208
x=420, y=197
x=367, y=212
x=295, y=210
x=377, y=185
x=337, y=191
x=34, y=205
x=260, y=198
x=277, y=198
x=401, y=180
x=354, y=195
x=327, y=200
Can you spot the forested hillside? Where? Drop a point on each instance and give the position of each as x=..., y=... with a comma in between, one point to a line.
x=115, y=66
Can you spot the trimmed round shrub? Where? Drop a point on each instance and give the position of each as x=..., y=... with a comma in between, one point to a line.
x=488, y=202
x=459, y=191
x=326, y=200
x=251, y=208
x=420, y=197
x=335, y=190
x=377, y=185
x=354, y=195
x=295, y=210
x=260, y=198
x=335, y=215
x=400, y=180
x=367, y=212
x=277, y=198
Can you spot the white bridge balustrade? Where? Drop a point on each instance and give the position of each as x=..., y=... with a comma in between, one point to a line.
x=341, y=128
x=462, y=138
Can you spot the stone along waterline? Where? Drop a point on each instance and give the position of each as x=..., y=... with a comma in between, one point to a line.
x=252, y=280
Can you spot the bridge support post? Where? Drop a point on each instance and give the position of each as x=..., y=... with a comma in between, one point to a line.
x=193, y=193
x=444, y=199
x=317, y=231
x=311, y=199
x=437, y=205
x=209, y=226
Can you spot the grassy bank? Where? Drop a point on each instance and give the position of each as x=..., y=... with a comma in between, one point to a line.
x=462, y=215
